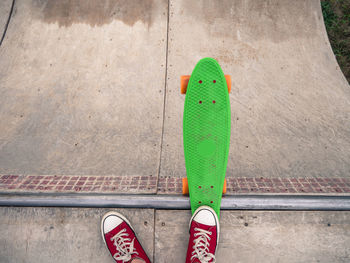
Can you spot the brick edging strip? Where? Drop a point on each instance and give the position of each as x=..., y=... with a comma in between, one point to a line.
x=260, y=185
x=78, y=184
x=166, y=185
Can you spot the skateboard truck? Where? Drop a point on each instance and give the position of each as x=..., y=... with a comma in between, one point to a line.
x=186, y=78
x=185, y=189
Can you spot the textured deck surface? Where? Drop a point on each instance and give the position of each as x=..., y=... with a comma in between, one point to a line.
x=206, y=134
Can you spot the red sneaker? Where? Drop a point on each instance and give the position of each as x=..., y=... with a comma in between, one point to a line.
x=204, y=236
x=120, y=239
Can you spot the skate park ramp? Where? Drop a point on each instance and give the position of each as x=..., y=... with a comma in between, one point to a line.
x=92, y=87
x=290, y=103
x=90, y=90
x=82, y=91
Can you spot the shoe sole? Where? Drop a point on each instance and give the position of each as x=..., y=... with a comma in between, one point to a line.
x=216, y=219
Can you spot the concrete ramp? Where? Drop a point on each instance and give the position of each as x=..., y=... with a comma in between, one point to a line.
x=90, y=103
x=290, y=102
x=82, y=88
x=92, y=87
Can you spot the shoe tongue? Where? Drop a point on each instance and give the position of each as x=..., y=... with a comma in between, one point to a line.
x=115, y=230
x=202, y=226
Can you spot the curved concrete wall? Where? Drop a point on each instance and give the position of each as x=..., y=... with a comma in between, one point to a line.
x=290, y=102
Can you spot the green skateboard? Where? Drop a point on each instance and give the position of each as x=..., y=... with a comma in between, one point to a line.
x=206, y=133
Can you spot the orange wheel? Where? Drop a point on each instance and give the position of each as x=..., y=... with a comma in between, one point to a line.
x=184, y=83
x=185, y=190
x=224, y=190
x=228, y=81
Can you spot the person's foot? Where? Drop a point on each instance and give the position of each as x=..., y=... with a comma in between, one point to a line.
x=121, y=240
x=204, y=236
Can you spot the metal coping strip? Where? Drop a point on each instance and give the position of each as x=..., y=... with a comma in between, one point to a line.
x=241, y=202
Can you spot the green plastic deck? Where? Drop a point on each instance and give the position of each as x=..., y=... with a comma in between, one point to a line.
x=206, y=134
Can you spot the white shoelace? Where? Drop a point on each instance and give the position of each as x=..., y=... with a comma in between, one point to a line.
x=201, y=246
x=124, y=245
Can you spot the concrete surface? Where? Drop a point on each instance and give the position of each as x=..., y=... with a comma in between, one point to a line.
x=248, y=236
x=83, y=83
x=63, y=234
x=290, y=103
x=5, y=9
x=73, y=235
x=82, y=87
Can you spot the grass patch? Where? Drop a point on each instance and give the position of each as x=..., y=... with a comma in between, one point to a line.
x=336, y=14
